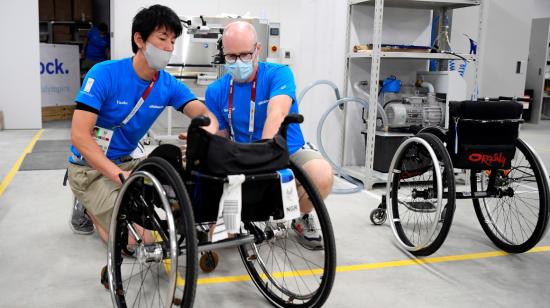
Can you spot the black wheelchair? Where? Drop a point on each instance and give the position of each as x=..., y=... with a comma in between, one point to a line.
x=178, y=205
x=508, y=182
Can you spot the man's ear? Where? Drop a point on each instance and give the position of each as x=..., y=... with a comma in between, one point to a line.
x=138, y=40
x=258, y=47
x=258, y=51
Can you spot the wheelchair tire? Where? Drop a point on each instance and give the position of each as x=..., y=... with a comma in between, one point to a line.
x=163, y=271
x=421, y=198
x=209, y=261
x=513, y=223
x=309, y=281
x=378, y=216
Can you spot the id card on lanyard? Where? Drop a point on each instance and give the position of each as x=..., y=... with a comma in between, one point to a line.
x=103, y=136
x=252, y=110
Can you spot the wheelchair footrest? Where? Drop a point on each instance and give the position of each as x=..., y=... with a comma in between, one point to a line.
x=238, y=240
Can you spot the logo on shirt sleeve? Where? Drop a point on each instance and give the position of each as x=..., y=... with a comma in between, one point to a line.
x=283, y=87
x=89, y=84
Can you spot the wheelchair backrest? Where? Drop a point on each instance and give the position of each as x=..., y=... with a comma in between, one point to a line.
x=215, y=155
x=482, y=135
x=209, y=158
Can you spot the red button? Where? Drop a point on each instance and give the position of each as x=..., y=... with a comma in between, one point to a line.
x=274, y=48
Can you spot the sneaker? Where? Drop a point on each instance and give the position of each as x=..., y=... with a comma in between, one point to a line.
x=79, y=221
x=308, y=232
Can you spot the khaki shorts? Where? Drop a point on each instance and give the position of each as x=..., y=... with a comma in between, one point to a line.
x=305, y=154
x=96, y=192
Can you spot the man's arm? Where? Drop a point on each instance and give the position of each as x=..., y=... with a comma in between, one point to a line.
x=195, y=108
x=81, y=137
x=277, y=109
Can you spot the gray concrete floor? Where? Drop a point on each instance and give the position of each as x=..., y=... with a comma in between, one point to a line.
x=42, y=263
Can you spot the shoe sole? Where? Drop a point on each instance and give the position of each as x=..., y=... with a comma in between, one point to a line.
x=312, y=248
x=302, y=241
x=75, y=231
x=80, y=232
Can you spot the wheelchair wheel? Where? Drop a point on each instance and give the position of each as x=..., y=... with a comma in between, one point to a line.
x=209, y=261
x=160, y=269
x=515, y=220
x=287, y=273
x=378, y=216
x=421, y=189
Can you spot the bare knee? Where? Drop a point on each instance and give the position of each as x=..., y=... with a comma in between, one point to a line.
x=320, y=172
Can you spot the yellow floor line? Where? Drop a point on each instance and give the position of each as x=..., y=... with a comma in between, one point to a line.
x=372, y=266
x=7, y=180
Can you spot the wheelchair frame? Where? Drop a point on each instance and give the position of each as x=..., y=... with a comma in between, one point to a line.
x=155, y=197
x=489, y=183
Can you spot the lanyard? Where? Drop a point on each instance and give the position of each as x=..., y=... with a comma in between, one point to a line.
x=252, y=110
x=141, y=99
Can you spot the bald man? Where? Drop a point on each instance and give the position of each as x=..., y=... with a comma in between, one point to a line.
x=268, y=90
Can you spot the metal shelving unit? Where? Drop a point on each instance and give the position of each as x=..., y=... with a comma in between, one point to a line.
x=412, y=55
x=366, y=174
x=420, y=4
x=538, y=69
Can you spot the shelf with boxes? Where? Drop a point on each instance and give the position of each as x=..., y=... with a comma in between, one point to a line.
x=65, y=21
x=64, y=32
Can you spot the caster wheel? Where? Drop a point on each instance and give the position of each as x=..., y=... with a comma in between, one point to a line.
x=378, y=216
x=209, y=261
x=105, y=277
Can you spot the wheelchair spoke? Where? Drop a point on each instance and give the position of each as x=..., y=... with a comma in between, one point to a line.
x=287, y=269
x=513, y=219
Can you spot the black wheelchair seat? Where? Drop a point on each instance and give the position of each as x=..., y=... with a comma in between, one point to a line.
x=211, y=158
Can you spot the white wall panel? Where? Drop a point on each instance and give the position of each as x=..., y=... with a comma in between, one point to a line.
x=19, y=60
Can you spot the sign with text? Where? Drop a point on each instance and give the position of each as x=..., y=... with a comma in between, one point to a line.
x=59, y=74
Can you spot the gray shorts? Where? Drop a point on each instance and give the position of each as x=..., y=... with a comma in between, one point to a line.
x=305, y=154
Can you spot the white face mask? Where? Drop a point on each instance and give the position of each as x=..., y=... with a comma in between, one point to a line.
x=156, y=58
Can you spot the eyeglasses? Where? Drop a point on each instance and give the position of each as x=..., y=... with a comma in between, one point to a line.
x=245, y=57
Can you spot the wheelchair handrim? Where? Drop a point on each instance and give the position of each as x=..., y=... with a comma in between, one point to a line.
x=171, y=229
x=439, y=184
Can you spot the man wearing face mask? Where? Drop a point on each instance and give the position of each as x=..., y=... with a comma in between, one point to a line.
x=251, y=101
x=117, y=104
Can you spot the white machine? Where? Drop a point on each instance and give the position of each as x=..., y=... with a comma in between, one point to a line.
x=426, y=105
x=415, y=107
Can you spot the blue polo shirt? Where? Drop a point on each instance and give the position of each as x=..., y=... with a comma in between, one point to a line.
x=114, y=88
x=272, y=80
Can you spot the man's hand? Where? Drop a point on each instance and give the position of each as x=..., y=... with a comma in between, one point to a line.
x=196, y=108
x=182, y=136
x=125, y=175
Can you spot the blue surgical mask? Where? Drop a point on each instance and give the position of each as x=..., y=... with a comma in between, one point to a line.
x=240, y=71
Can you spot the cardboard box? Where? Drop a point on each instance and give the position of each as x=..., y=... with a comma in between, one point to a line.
x=83, y=34
x=54, y=113
x=82, y=10
x=63, y=10
x=62, y=33
x=46, y=10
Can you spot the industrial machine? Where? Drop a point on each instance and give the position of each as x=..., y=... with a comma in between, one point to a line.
x=409, y=108
x=197, y=56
